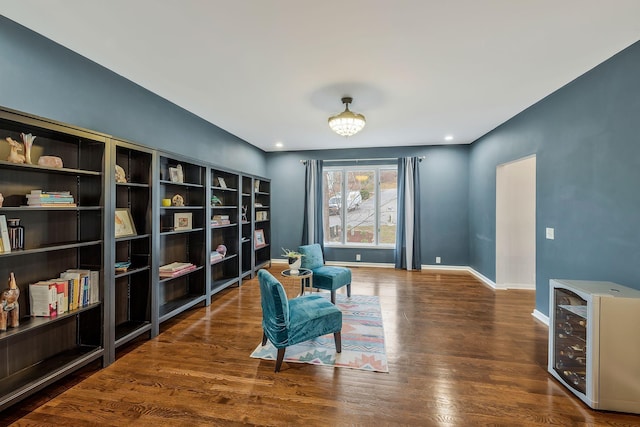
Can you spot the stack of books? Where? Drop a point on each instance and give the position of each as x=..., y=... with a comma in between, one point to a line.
x=50, y=199
x=220, y=220
x=215, y=256
x=176, y=269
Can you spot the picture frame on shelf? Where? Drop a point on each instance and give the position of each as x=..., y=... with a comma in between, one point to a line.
x=182, y=221
x=124, y=225
x=258, y=239
x=5, y=244
x=221, y=182
x=256, y=185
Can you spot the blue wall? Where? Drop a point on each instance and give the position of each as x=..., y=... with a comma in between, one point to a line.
x=586, y=137
x=40, y=77
x=444, y=180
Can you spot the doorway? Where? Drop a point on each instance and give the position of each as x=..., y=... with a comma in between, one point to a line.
x=516, y=224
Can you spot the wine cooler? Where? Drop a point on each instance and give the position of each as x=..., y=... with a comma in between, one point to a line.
x=594, y=342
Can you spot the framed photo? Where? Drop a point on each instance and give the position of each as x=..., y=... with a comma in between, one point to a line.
x=256, y=185
x=182, y=221
x=5, y=244
x=258, y=239
x=124, y=223
x=221, y=182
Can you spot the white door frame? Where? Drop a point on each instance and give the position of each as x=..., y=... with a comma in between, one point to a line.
x=516, y=224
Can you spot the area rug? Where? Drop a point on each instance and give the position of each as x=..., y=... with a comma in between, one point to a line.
x=362, y=339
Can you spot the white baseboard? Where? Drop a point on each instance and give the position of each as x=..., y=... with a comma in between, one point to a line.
x=484, y=279
x=541, y=317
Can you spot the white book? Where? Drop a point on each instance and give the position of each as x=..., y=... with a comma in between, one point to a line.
x=43, y=297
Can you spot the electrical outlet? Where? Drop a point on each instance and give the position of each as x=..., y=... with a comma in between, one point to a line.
x=550, y=233
x=438, y=260
x=357, y=257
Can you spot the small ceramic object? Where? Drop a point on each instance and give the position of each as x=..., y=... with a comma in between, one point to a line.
x=27, y=140
x=51, y=161
x=222, y=250
x=10, y=311
x=14, y=156
x=120, y=175
x=177, y=200
x=166, y=202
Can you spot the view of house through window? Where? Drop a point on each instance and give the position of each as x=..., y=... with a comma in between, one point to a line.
x=360, y=205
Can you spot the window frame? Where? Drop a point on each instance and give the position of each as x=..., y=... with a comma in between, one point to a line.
x=354, y=168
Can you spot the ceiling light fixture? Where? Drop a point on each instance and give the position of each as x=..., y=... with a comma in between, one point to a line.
x=448, y=138
x=347, y=123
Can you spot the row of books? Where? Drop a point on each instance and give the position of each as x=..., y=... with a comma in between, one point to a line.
x=60, y=199
x=176, y=269
x=74, y=289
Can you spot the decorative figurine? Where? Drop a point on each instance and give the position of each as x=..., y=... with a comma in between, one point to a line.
x=222, y=250
x=50, y=161
x=120, y=175
x=10, y=312
x=27, y=140
x=177, y=200
x=244, y=213
x=14, y=157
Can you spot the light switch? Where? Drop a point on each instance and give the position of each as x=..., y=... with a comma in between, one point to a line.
x=550, y=233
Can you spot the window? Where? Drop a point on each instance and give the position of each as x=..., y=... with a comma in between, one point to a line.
x=360, y=205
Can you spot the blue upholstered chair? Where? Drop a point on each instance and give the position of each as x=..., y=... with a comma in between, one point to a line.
x=325, y=277
x=287, y=322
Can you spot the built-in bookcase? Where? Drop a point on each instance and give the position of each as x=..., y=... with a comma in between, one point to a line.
x=182, y=236
x=262, y=221
x=225, y=229
x=132, y=284
x=246, y=234
x=42, y=349
x=154, y=208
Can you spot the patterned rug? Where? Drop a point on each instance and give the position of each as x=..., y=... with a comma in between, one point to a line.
x=362, y=339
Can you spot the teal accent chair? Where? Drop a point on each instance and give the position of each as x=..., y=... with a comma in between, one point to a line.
x=287, y=322
x=325, y=277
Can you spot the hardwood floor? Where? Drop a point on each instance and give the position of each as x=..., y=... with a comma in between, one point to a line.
x=460, y=354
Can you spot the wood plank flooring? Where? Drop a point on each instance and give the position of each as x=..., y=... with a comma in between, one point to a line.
x=460, y=354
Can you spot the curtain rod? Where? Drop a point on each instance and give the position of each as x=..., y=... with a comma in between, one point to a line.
x=362, y=160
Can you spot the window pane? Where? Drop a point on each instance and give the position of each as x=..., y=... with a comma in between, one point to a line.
x=332, y=185
x=361, y=206
x=388, y=205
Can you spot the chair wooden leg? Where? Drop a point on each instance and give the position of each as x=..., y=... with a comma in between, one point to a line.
x=264, y=338
x=333, y=297
x=279, y=359
x=349, y=290
x=338, y=339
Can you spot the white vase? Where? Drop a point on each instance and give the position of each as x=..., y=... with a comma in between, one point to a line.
x=294, y=265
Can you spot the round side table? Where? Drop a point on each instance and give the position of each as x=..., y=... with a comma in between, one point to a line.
x=304, y=277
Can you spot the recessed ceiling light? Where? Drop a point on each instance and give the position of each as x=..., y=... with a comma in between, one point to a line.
x=279, y=144
x=448, y=138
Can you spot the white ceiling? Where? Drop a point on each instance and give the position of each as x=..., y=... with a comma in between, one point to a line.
x=275, y=70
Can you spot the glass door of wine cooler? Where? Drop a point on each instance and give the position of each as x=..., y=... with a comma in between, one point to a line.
x=570, y=332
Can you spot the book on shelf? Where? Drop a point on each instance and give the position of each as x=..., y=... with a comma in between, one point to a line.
x=75, y=289
x=167, y=274
x=43, y=298
x=215, y=256
x=176, y=269
x=39, y=198
x=175, y=266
